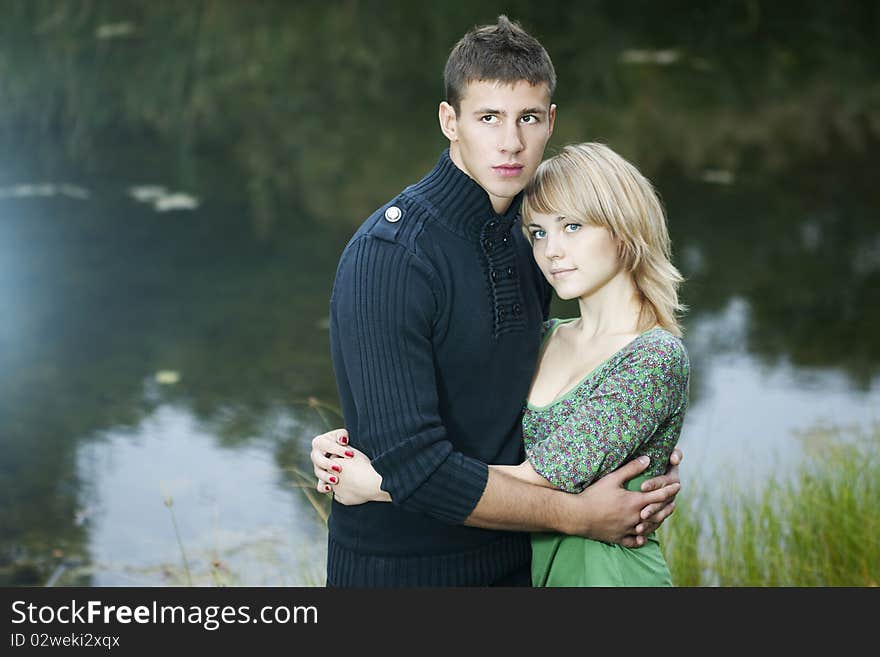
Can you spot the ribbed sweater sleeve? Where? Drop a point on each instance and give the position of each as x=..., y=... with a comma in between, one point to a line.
x=383, y=311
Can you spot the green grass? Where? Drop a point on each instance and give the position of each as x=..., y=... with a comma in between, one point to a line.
x=819, y=527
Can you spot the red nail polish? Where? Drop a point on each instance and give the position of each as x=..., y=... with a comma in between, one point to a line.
x=348, y=452
x=333, y=480
x=336, y=468
x=326, y=489
x=343, y=440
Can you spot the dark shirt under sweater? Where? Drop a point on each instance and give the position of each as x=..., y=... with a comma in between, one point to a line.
x=435, y=323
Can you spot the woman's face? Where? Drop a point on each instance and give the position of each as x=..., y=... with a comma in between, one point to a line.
x=577, y=258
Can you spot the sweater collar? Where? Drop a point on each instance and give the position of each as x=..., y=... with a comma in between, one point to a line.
x=460, y=203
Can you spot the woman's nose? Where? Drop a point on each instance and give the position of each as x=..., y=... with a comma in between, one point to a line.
x=553, y=247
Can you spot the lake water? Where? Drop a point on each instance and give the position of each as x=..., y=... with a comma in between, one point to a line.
x=176, y=185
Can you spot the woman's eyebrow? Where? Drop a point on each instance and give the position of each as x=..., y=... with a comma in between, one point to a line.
x=559, y=218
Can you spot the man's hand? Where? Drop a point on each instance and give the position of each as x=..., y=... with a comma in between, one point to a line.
x=606, y=511
x=653, y=515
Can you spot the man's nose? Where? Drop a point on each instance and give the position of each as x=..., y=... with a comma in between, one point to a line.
x=511, y=140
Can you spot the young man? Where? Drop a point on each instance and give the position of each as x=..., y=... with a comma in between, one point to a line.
x=435, y=323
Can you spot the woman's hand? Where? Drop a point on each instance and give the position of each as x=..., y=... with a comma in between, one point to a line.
x=328, y=446
x=330, y=456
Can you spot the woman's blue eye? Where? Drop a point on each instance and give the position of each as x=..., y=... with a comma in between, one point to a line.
x=571, y=228
x=539, y=234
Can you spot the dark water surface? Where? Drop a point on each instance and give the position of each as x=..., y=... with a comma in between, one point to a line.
x=177, y=182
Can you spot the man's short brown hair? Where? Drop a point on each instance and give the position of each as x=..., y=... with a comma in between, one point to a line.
x=504, y=52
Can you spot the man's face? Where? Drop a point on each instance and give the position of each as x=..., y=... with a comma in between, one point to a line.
x=499, y=134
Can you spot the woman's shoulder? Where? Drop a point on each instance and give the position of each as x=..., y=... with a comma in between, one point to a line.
x=660, y=347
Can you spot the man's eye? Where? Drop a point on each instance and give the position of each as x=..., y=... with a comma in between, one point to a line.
x=571, y=228
x=529, y=118
x=489, y=118
x=539, y=234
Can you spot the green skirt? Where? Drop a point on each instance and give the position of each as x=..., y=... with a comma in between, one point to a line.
x=560, y=560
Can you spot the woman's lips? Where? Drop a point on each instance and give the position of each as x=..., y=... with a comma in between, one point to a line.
x=561, y=273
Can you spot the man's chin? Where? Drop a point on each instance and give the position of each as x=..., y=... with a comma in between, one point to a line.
x=506, y=192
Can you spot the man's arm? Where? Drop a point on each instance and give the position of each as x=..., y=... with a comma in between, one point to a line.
x=604, y=511
x=383, y=311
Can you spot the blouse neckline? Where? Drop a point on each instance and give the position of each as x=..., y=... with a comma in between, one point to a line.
x=568, y=393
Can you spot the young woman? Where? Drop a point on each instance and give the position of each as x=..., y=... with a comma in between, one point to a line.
x=610, y=384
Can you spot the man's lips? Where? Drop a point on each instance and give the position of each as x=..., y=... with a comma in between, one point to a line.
x=509, y=169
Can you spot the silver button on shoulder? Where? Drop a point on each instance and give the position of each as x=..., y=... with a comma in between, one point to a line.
x=393, y=214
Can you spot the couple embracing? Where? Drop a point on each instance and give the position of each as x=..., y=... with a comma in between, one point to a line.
x=487, y=444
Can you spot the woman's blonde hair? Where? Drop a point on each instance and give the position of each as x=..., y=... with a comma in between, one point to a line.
x=593, y=183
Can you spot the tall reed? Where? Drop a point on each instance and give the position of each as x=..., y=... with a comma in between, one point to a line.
x=819, y=527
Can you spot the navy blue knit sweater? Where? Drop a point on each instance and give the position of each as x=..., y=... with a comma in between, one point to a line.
x=435, y=322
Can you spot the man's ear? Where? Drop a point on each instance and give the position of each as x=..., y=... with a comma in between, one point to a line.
x=448, y=121
x=552, y=117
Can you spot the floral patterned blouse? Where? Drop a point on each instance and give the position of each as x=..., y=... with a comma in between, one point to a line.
x=631, y=404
